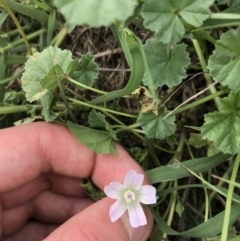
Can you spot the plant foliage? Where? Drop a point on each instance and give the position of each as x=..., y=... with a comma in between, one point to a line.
x=167, y=17
x=185, y=53
x=95, y=14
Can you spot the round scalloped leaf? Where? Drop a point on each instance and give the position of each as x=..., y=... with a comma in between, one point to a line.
x=222, y=127
x=99, y=141
x=224, y=64
x=87, y=70
x=95, y=13
x=166, y=63
x=98, y=120
x=156, y=126
x=164, y=17
x=38, y=66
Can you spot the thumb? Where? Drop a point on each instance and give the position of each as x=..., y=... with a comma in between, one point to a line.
x=94, y=224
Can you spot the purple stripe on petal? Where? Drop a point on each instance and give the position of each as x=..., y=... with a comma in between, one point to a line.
x=147, y=194
x=117, y=210
x=133, y=180
x=136, y=215
x=113, y=190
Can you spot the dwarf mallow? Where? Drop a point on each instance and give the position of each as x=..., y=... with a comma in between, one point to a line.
x=129, y=195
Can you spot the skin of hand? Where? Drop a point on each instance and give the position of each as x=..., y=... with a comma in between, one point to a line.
x=41, y=166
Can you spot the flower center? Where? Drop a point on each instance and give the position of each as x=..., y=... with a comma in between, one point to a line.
x=129, y=196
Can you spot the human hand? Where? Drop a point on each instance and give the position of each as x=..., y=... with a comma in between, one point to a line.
x=41, y=166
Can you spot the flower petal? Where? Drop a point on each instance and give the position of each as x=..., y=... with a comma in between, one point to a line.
x=136, y=215
x=113, y=190
x=133, y=180
x=147, y=194
x=117, y=210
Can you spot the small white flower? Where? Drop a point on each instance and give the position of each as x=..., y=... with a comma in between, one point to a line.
x=129, y=195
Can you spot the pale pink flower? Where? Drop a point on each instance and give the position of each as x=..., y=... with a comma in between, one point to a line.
x=129, y=195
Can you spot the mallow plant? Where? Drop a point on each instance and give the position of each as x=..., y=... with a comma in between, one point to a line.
x=184, y=83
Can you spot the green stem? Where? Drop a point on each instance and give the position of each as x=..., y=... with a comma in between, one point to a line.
x=176, y=157
x=224, y=16
x=114, y=118
x=226, y=219
x=58, y=39
x=129, y=128
x=85, y=86
x=206, y=205
x=172, y=208
x=11, y=109
x=75, y=94
x=221, y=182
x=101, y=108
x=198, y=102
x=135, y=133
x=150, y=145
x=17, y=108
x=209, y=81
x=13, y=32
x=6, y=80
x=218, y=26
x=18, y=26
x=201, y=32
x=20, y=41
x=208, y=37
x=178, y=154
x=207, y=200
x=125, y=128
x=65, y=100
x=216, y=8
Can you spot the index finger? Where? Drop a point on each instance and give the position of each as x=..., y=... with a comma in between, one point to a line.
x=30, y=150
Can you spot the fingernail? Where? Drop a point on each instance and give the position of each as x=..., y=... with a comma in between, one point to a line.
x=141, y=233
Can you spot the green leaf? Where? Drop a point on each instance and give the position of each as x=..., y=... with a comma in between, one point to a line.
x=3, y=42
x=38, y=66
x=232, y=234
x=95, y=13
x=156, y=126
x=170, y=172
x=31, y=12
x=197, y=141
x=164, y=17
x=136, y=153
x=179, y=208
x=72, y=66
x=48, y=103
x=87, y=71
x=97, y=120
x=2, y=76
x=50, y=81
x=172, y=140
x=166, y=63
x=92, y=190
x=3, y=16
x=99, y=141
x=228, y=2
x=224, y=64
x=222, y=127
x=210, y=228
